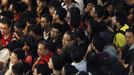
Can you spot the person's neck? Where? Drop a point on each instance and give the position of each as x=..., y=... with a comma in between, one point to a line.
x=57, y=72
x=59, y=21
x=6, y=35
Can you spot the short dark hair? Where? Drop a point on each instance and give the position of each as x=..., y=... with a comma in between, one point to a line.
x=57, y=26
x=43, y=69
x=77, y=54
x=70, y=69
x=57, y=62
x=20, y=24
x=71, y=34
x=7, y=21
x=99, y=10
x=21, y=68
x=19, y=53
x=98, y=42
x=61, y=12
x=121, y=17
x=130, y=30
x=46, y=43
x=48, y=17
x=54, y=3
x=36, y=29
x=28, y=40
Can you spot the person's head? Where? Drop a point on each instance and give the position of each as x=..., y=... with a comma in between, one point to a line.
x=56, y=30
x=82, y=73
x=21, y=68
x=27, y=43
x=60, y=13
x=69, y=69
x=45, y=21
x=97, y=11
x=56, y=63
x=81, y=35
x=13, y=44
x=17, y=55
x=77, y=54
x=68, y=39
x=43, y=47
x=129, y=36
x=119, y=19
x=75, y=17
x=97, y=43
x=20, y=25
x=35, y=31
x=53, y=4
x=5, y=26
x=41, y=69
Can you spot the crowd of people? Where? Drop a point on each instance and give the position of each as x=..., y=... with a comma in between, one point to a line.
x=66, y=37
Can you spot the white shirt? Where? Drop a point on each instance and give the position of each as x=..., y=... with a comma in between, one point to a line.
x=81, y=66
x=81, y=5
x=4, y=56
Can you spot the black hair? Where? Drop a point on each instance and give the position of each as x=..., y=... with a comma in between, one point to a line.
x=75, y=21
x=54, y=3
x=98, y=42
x=81, y=34
x=91, y=1
x=13, y=44
x=61, y=12
x=121, y=18
x=57, y=26
x=7, y=14
x=36, y=29
x=28, y=40
x=57, y=62
x=74, y=11
x=99, y=10
x=130, y=30
x=71, y=34
x=48, y=17
x=70, y=69
x=6, y=21
x=77, y=54
x=20, y=24
x=30, y=20
x=21, y=68
x=19, y=53
x=43, y=69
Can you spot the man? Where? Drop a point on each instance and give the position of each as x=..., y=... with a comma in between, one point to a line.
x=5, y=29
x=128, y=53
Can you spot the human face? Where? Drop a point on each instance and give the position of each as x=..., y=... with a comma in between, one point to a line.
x=92, y=12
x=51, y=10
x=54, y=33
x=129, y=38
x=50, y=64
x=4, y=29
x=44, y=23
x=55, y=16
x=13, y=58
x=42, y=50
x=66, y=41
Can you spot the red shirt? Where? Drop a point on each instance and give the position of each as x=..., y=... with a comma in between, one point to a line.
x=45, y=58
x=6, y=41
